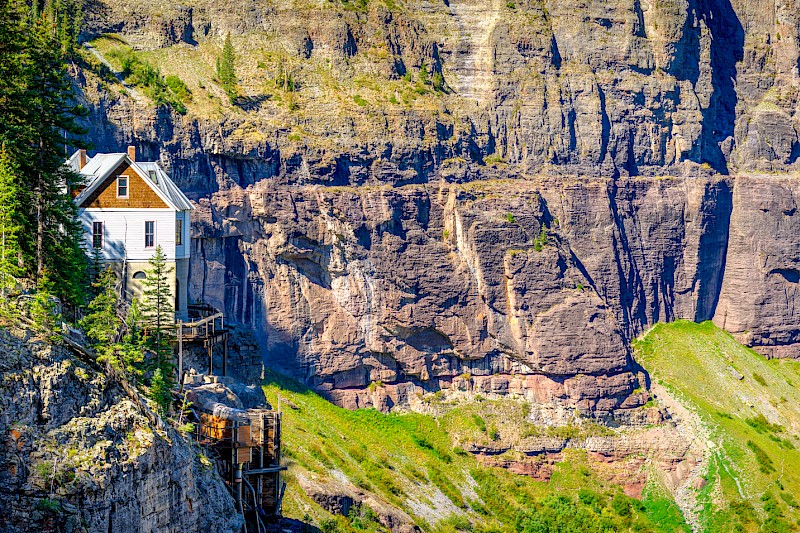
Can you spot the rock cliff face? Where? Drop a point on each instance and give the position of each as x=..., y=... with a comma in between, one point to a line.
x=80, y=456
x=390, y=225
x=528, y=287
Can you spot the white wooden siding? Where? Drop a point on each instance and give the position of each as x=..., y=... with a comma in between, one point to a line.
x=123, y=231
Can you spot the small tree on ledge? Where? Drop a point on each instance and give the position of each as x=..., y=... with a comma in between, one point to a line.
x=226, y=68
x=157, y=310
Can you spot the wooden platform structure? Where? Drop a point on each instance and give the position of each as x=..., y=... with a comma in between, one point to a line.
x=208, y=328
x=245, y=443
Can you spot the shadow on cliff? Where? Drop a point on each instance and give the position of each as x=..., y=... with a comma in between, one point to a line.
x=727, y=49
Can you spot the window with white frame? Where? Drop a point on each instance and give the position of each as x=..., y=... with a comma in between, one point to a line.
x=122, y=186
x=178, y=231
x=149, y=233
x=97, y=235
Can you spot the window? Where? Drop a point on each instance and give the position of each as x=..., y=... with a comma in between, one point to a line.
x=122, y=187
x=153, y=176
x=178, y=232
x=97, y=235
x=139, y=275
x=149, y=234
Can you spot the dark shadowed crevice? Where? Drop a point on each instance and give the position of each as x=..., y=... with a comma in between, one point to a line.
x=727, y=49
x=713, y=248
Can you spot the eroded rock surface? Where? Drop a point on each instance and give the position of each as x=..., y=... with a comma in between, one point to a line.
x=79, y=455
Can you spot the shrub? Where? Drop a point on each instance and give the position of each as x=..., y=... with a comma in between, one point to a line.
x=762, y=425
x=438, y=82
x=764, y=461
x=479, y=422
x=621, y=504
x=177, y=86
x=759, y=379
x=160, y=392
x=541, y=240
x=510, y=218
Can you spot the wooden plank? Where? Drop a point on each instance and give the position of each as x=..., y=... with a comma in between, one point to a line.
x=244, y=435
x=243, y=455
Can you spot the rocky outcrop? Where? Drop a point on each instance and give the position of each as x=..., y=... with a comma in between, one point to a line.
x=79, y=455
x=526, y=287
x=761, y=288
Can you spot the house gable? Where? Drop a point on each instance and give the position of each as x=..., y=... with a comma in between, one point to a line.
x=141, y=195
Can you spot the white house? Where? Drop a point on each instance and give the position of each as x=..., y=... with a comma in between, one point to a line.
x=127, y=209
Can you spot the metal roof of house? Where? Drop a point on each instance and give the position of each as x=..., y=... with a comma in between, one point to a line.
x=99, y=167
x=167, y=186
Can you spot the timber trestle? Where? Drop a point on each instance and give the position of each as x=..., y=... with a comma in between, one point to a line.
x=245, y=445
x=207, y=327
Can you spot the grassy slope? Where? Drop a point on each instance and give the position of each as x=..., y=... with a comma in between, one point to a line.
x=753, y=422
x=408, y=460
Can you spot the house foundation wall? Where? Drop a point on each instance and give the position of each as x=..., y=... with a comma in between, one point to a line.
x=132, y=274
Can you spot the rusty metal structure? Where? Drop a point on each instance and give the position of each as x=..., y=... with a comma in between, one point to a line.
x=243, y=438
x=243, y=442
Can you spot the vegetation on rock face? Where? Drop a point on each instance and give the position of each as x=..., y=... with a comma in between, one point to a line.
x=754, y=466
x=408, y=462
x=170, y=91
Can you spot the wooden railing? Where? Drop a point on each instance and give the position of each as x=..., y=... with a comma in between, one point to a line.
x=209, y=327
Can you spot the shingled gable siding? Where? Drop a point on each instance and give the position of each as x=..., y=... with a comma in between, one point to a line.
x=140, y=194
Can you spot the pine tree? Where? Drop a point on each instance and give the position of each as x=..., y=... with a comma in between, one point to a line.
x=53, y=236
x=157, y=306
x=11, y=197
x=226, y=68
x=101, y=323
x=131, y=349
x=160, y=391
x=44, y=311
x=37, y=122
x=12, y=81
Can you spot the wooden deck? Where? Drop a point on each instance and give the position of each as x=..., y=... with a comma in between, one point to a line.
x=208, y=329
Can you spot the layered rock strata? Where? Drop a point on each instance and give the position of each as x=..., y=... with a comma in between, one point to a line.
x=382, y=249
x=529, y=287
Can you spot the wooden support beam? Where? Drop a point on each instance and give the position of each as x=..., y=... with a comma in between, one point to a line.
x=180, y=353
x=225, y=356
x=210, y=359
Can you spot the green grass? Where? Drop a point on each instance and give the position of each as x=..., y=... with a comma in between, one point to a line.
x=412, y=462
x=751, y=421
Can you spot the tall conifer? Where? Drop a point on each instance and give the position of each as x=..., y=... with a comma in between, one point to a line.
x=11, y=197
x=226, y=68
x=157, y=307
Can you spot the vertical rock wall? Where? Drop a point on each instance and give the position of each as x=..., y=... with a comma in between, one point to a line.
x=550, y=278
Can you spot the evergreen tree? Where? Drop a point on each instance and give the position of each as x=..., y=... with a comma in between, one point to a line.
x=160, y=391
x=157, y=308
x=44, y=311
x=131, y=349
x=101, y=322
x=226, y=68
x=51, y=125
x=37, y=123
x=12, y=81
x=11, y=197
